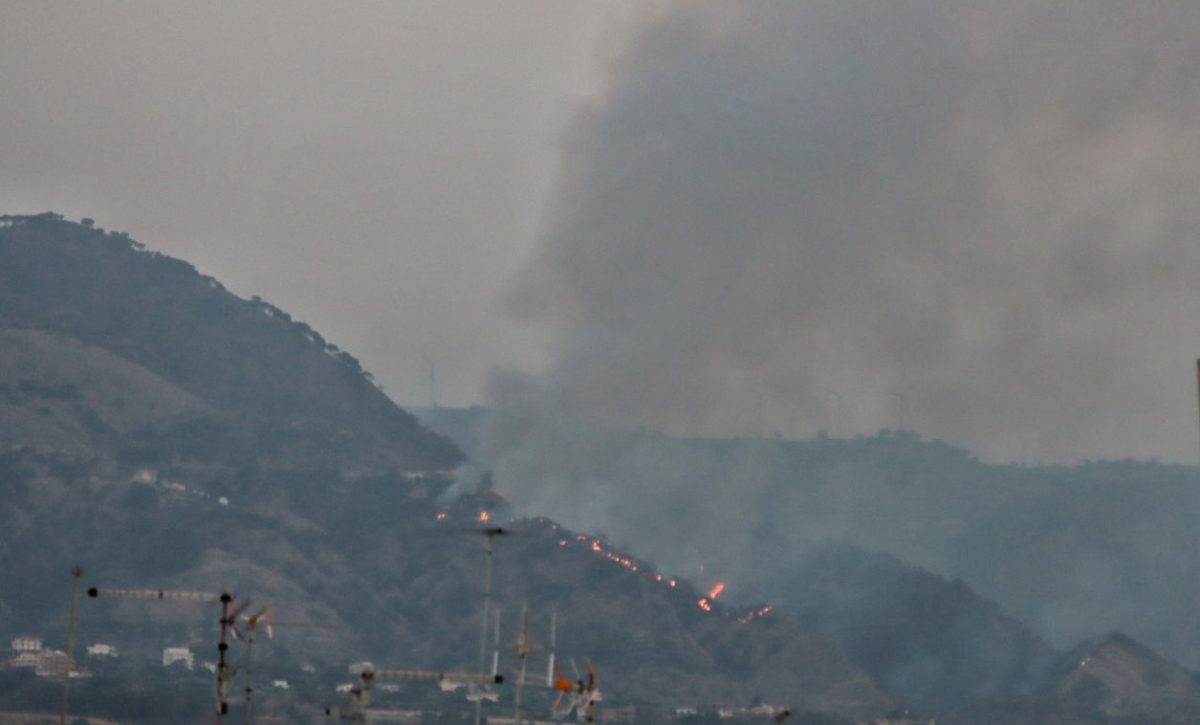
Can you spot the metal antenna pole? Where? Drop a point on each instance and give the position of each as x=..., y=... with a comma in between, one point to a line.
x=487, y=604
x=76, y=573
x=496, y=646
x=523, y=653
x=222, y=667
x=249, y=717
x=553, y=644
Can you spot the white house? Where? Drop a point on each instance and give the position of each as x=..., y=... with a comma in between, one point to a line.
x=171, y=655
x=27, y=644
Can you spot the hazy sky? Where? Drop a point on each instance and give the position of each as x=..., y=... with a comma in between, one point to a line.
x=975, y=219
x=376, y=169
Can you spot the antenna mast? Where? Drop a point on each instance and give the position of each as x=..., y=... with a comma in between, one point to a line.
x=488, y=535
x=76, y=573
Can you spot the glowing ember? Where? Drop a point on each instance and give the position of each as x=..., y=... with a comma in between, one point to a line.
x=704, y=604
x=441, y=516
x=658, y=577
x=483, y=515
x=562, y=542
x=755, y=613
x=596, y=545
x=672, y=582
x=716, y=591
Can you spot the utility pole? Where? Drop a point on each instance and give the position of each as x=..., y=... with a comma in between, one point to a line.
x=488, y=535
x=76, y=574
x=523, y=655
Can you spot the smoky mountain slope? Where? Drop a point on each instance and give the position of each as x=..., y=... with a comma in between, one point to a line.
x=948, y=580
x=1071, y=551
x=163, y=433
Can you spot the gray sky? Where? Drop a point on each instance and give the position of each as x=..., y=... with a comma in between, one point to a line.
x=974, y=218
x=376, y=169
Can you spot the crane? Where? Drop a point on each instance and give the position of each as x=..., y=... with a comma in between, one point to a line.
x=229, y=615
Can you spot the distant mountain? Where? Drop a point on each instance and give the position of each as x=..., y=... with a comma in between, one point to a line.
x=1110, y=679
x=163, y=433
x=935, y=644
x=1123, y=678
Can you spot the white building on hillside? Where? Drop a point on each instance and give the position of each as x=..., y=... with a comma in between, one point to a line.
x=27, y=644
x=171, y=655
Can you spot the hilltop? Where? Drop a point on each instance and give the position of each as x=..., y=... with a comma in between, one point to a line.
x=102, y=305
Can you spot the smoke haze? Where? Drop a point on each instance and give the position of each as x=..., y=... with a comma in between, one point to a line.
x=969, y=220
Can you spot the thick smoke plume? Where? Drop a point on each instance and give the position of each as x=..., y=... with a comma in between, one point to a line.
x=973, y=220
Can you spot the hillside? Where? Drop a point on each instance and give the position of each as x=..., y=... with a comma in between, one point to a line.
x=933, y=644
x=163, y=433
x=1109, y=679
x=948, y=580
x=248, y=361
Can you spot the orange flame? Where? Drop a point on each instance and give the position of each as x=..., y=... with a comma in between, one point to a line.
x=596, y=545
x=441, y=516
x=755, y=613
x=483, y=515
x=704, y=604
x=716, y=591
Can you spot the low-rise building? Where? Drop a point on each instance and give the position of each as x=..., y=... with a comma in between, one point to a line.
x=171, y=655
x=51, y=663
x=27, y=644
x=101, y=650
